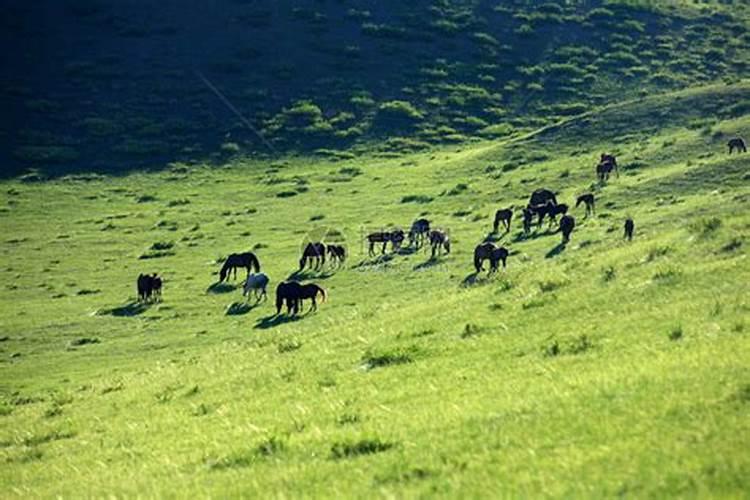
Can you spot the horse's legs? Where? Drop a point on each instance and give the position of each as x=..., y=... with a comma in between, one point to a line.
x=384, y=245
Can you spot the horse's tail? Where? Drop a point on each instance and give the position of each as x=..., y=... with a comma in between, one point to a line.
x=224, y=269
x=477, y=261
x=321, y=291
x=279, y=298
x=254, y=262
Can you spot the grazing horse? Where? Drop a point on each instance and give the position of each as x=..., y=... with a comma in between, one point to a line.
x=419, y=231
x=542, y=197
x=528, y=217
x=504, y=215
x=554, y=210
x=567, y=224
x=489, y=251
x=313, y=253
x=549, y=209
x=293, y=293
x=737, y=143
x=629, y=228
x=257, y=283
x=337, y=253
x=149, y=286
x=395, y=238
x=439, y=240
x=588, y=199
x=248, y=260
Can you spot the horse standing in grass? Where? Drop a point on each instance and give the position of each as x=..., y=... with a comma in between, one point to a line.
x=504, y=215
x=542, y=197
x=149, y=286
x=737, y=143
x=246, y=260
x=588, y=199
x=314, y=254
x=256, y=283
x=554, y=210
x=567, y=224
x=439, y=240
x=293, y=293
x=528, y=217
x=395, y=238
x=629, y=228
x=488, y=251
x=337, y=254
x=607, y=164
x=419, y=231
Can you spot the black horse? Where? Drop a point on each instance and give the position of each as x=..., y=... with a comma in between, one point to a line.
x=439, y=240
x=528, y=217
x=293, y=293
x=607, y=164
x=395, y=238
x=314, y=254
x=419, y=231
x=489, y=251
x=567, y=224
x=337, y=254
x=542, y=197
x=504, y=215
x=246, y=260
x=554, y=210
x=737, y=143
x=149, y=286
x=588, y=199
x=629, y=228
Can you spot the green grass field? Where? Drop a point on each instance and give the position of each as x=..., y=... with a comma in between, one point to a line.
x=607, y=368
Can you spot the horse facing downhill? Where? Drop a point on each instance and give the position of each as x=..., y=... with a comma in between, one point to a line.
x=246, y=260
x=504, y=215
x=293, y=293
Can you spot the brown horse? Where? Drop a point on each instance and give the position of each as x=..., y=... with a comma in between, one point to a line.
x=567, y=224
x=395, y=238
x=489, y=251
x=737, y=143
x=504, y=215
x=588, y=199
x=248, y=260
x=313, y=254
x=439, y=240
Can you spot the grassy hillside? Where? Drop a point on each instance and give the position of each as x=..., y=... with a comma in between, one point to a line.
x=111, y=86
x=603, y=368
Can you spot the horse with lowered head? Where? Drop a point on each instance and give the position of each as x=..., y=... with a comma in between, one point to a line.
x=257, y=283
x=588, y=200
x=293, y=293
x=488, y=251
x=504, y=215
x=737, y=143
x=337, y=254
x=246, y=260
x=314, y=254
x=419, y=231
x=439, y=240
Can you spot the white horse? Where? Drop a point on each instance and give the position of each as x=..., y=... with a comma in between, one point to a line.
x=256, y=282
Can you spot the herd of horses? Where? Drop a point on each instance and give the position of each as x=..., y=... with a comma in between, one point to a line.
x=542, y=204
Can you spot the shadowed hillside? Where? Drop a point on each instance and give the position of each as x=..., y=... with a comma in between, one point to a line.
x=109, y=86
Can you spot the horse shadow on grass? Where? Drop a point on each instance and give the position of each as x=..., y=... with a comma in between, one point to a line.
x=221, y=287
x=241, y=308
x=306, y=274
x=521, y=236
x=373, y=261
x=431, y=262
x=276, y=320
x=556, y=250
x=130, y=309
x=475, y=279
x=494, y=236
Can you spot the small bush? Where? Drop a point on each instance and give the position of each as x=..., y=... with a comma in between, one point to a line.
x=470, y=330
x=416, y=198
x=608, y=274
x=397, y=356
x=676, y=333
x=706, y=227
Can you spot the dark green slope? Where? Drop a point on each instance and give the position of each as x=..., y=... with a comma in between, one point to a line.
x=94, y=85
